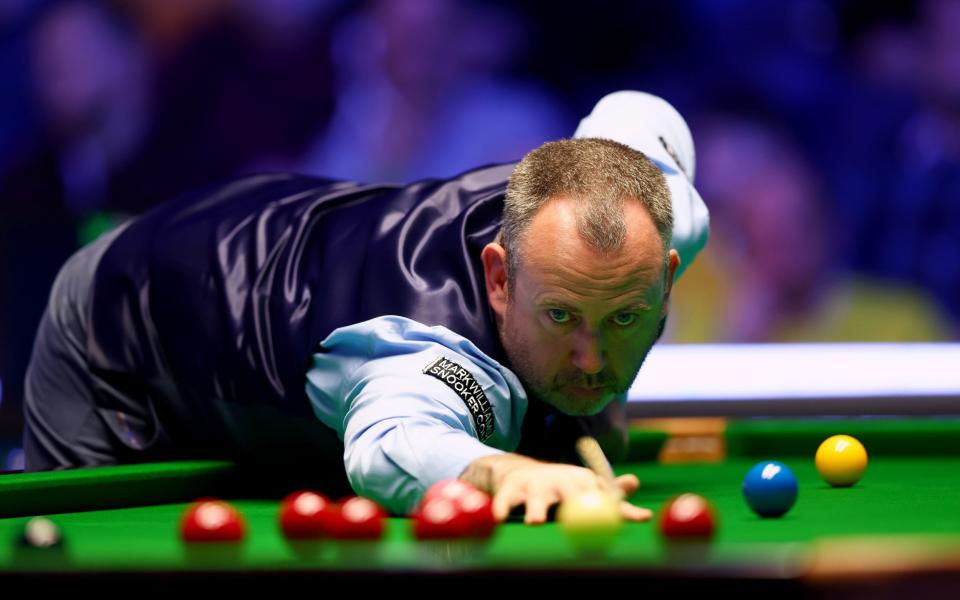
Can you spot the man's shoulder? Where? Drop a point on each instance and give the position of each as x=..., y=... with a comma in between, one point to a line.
x=487, y=178
x=280, y=191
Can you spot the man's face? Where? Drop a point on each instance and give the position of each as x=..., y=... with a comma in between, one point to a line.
x=577, y=324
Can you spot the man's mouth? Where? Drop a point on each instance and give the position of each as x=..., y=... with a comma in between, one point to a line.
x=588, y=391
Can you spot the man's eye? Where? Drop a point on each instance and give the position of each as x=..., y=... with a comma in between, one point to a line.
x=558, y=315
x=625, y=319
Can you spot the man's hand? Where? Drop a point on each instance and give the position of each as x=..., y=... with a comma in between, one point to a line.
x=513, y=480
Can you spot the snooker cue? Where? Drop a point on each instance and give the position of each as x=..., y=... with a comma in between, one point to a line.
x=592, y=456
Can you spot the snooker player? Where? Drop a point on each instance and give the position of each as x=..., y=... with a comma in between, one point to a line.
x=385, y=336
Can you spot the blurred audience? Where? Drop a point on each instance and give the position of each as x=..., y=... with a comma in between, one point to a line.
x=421, y=93
x=774, y=269
x=91, y=82
x=247, y=93
x=18, y=118
x=840, y=222
x=898, y=163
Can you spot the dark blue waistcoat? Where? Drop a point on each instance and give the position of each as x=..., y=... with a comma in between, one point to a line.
x=216, y=301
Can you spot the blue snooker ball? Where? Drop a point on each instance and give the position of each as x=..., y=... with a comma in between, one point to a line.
x=770, y=488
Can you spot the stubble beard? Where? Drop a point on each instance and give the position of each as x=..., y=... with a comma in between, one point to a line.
x=552, y=391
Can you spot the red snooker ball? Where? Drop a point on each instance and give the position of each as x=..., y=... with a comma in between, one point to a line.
x=360, y=519
x=688, y=516
x=476, y=508
x=440, y=519
x=212, y=521
x=451, y=489
x=307, y=515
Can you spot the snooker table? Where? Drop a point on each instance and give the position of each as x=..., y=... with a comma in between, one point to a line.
x=896, y=531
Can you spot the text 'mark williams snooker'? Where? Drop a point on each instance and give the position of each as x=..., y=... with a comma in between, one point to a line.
x=462, y=382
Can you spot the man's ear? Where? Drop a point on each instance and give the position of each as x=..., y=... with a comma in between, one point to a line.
x=494, y=257
x=672, y=263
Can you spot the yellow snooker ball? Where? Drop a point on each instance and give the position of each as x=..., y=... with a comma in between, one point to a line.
x=841, y=460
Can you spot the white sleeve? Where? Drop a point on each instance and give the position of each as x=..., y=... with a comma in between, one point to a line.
x=413, y=404
x=651, y=125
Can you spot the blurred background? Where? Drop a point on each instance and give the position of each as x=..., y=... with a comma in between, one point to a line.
x=827, y=133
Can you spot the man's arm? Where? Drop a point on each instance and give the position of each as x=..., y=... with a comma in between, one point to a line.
x=413, y=404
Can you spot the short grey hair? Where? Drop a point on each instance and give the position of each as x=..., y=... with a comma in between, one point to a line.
x=600, y=175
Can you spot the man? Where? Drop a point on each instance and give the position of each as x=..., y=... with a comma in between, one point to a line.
x=432, y=321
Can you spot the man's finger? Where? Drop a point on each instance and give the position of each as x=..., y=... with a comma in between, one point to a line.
x=536, y=511
x=635, y=513
x=628, y=483
x=504, y=502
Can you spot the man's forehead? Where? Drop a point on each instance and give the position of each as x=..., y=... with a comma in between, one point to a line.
x=555, y=254
x=554, y=237
x=564, y=273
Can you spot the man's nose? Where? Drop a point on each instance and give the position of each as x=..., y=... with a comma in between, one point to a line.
x=588, y=354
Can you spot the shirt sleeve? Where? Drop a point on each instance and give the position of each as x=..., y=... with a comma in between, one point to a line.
x=412, y=404
x=651, y=125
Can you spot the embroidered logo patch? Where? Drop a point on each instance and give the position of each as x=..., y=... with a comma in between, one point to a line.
x=462, y=382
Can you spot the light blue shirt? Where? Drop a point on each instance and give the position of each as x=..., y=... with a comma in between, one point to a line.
x=413, y=405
